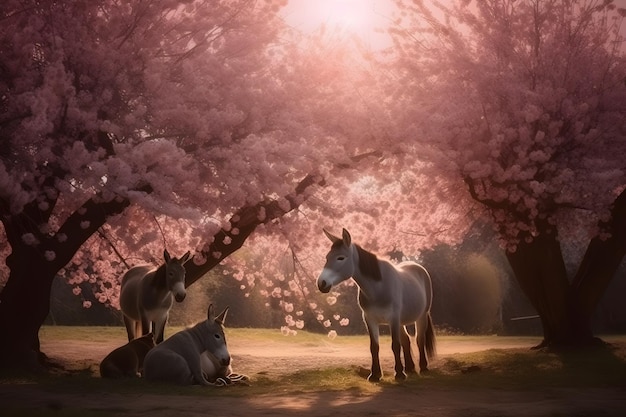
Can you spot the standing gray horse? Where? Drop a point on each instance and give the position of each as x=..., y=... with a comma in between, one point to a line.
x=394, y=295
x=148, y=293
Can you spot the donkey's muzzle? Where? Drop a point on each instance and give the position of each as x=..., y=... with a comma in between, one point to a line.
x=225, y=361
x=180, y=297
x=323, y=286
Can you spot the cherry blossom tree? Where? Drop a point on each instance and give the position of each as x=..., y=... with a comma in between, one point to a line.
x=126, y=126
x=525, y=103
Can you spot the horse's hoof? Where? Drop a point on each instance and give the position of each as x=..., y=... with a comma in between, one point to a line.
x=400, y=376
x=424, y=371
x=373, y=378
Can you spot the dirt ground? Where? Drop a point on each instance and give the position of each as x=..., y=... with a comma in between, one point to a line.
x=255, y=361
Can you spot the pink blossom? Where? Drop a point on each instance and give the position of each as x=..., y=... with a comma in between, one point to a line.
x=29, y=239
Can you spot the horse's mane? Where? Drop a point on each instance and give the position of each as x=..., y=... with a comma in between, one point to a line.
x=159, y=277
x=368, y=263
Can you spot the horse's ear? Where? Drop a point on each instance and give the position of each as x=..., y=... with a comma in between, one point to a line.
x=166, y=256
x=210, y=315
x=220, y=319
x=330, y=236
x=347, y=239
x=185, y=257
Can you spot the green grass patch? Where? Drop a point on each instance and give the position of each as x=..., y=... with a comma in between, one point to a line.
x=519, y=369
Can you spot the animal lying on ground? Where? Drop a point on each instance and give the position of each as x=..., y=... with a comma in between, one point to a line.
x=217, y=373
x=127, y=360
x=197, y=355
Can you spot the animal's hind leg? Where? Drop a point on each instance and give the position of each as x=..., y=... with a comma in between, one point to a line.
x=409, y=365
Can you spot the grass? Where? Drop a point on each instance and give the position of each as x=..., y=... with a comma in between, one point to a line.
x=516, y=369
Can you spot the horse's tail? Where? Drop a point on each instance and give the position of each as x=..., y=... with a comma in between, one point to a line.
x=431, y=343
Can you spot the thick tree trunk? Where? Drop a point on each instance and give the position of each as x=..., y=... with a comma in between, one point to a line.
x=25, y=299
x=24, y=305
x=566, y=307
x=602, y=258
x=540, y=271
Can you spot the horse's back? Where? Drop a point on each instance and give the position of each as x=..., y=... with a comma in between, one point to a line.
x=135, y=274
x=417, y=287
x=129, y=291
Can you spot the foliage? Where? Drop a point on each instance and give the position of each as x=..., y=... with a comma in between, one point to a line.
x=523, y=102
x=127, y=128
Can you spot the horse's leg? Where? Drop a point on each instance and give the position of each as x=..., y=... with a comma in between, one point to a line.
x=409, y=365
x=146, y=326
x=420, y=329
x=159, y=329
x=130, y=327
x=374, y=332
x=396, y=344
x=137, y=327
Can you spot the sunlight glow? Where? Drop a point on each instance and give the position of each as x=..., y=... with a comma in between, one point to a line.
x=351, y=15
x=363, y=18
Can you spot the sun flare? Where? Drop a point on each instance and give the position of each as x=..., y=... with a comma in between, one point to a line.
x=360, y=17
x=346, y=14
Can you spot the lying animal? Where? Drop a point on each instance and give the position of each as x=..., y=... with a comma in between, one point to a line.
x=218, y=373
x=127, y=360
x=181, y=358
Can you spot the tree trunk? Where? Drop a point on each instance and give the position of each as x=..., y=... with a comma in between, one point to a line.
x=25, y=299
x=24, y=305
x=602, y=258
x=540, y=271
x=566, y=308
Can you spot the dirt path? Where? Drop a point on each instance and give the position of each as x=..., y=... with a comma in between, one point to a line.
x=272, y=360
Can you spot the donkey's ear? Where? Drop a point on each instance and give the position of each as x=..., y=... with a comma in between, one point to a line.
x=330, y=236
x=210, y=315
x=220, y=319
x=185, y=257
x=347, y=239
x=166, y=256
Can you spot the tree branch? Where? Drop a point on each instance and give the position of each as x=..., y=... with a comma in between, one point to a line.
x=243, y=223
